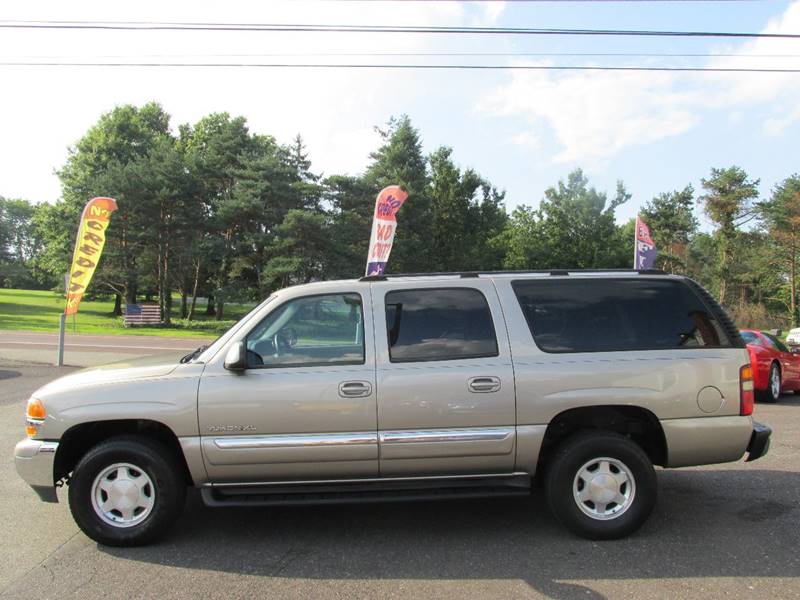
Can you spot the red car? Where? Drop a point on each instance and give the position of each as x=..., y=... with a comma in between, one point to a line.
x=775, y=368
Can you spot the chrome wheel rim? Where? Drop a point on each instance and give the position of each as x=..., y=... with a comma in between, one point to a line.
x=604, y=488
x=775, y=383
x=123, y=495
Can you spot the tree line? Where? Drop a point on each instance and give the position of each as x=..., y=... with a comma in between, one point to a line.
x=216, y=211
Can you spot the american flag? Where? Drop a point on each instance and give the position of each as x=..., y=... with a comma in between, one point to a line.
x=139, y=314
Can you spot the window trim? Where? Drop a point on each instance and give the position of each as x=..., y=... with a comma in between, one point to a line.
x=449, y=358
x=682, y=282
x=350, y=363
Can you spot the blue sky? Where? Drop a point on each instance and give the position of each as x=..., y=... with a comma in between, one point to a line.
x=522, y=130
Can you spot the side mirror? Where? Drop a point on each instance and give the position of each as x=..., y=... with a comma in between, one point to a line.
x=236, y=358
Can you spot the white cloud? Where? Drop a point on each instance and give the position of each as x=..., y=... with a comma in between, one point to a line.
x=45, y=109
x=491, y=13
x=527, y=138
x=779, y=123
x=595, y=115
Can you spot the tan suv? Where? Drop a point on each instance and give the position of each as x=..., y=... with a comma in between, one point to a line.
x=418, y=386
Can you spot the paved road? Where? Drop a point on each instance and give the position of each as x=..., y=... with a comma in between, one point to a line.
x=87, y=350
x=720, y=531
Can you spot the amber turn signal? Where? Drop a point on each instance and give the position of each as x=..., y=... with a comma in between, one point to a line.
x=36, y=409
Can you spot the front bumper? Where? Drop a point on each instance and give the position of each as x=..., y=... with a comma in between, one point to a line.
x=759, y=441
x=34, y=461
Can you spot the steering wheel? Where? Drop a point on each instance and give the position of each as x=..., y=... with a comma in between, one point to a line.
x=283, y=341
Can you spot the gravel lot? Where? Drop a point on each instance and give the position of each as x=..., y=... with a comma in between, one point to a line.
x=726, y=530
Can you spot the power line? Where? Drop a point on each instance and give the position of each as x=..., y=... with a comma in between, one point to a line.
x=311, y=28
x=421, y=54
x=552, y=1
x=400, y=66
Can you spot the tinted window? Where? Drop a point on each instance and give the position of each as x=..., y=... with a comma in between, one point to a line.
x=750, y=338
x=775, y=342
x=325, y=329
x=439, y=324
x=602, y=315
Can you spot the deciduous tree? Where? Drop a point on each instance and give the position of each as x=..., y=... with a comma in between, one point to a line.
x=728, y=202
x=781, y=215
x=672, y=224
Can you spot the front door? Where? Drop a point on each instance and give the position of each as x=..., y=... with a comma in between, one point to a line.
x=304, y=409
x=446, y=403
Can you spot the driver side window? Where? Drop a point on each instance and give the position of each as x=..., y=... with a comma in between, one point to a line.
x=314, y=330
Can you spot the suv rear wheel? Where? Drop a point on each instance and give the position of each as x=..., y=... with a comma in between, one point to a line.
x=126, y=491
x=600, y=485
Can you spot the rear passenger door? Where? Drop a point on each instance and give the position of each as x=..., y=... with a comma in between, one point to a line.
x=445, y=382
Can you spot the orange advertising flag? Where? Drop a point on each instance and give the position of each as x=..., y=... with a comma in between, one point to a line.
x=384, y=226
x=88, y=248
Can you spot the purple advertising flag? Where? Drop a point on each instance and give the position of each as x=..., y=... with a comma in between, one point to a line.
x=644, y=252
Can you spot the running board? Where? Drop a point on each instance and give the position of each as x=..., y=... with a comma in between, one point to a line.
x=356, y=494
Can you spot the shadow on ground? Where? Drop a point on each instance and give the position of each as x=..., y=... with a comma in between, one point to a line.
x=6, y=374
x=710, y=523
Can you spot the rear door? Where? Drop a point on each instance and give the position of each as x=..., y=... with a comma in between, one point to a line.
x=444, y=377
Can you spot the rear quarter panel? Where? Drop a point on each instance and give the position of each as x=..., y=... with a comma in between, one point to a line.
x=665, y=382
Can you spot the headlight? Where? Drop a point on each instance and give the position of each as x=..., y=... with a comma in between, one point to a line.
x=35, y=416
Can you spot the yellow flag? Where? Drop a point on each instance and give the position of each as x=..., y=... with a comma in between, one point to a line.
x=88, y=248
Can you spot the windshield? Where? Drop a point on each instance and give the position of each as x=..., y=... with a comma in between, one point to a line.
x=776, y=342
x=214, y=347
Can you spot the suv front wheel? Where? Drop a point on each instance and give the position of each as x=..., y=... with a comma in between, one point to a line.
x=126, y=491
x=600, y=485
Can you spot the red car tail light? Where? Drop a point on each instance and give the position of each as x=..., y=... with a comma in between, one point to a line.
x=746, y=391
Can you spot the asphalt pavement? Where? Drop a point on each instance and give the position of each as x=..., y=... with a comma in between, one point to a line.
x=719, y=531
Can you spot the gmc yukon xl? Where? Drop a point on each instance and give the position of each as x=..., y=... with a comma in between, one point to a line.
x=414, y=386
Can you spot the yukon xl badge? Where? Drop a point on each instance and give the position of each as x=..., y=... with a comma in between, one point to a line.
x=230, y=428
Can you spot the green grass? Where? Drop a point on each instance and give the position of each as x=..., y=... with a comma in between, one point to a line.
x=29, y=310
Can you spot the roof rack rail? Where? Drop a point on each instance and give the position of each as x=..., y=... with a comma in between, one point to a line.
x=470, y=274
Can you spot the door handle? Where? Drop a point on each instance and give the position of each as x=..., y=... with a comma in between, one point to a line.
x=355, y=389
x=483, y=385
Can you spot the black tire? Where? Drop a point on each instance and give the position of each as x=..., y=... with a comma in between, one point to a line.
x=149, y=457
x=581, y=449
x=768, y=395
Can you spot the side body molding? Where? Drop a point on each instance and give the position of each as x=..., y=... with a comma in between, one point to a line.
x=439, y=443
x=291, y=448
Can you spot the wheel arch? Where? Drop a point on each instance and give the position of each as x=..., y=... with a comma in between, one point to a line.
x=777, y=363
x=79, y=439
x=768, y=387
x=635, y=422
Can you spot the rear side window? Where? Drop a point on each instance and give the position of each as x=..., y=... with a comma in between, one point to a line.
x=750, y=338
x=439, y=324
x=605, y=315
